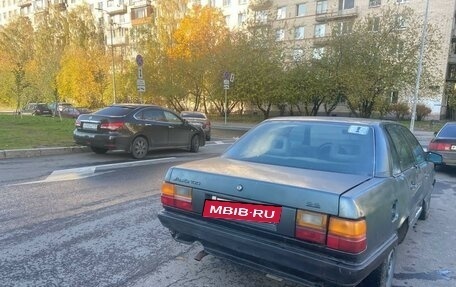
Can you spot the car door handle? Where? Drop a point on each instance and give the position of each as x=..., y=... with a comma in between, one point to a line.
x=148, y=125
x=170, y=127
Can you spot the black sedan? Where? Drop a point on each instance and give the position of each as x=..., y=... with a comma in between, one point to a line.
x=444, y=143
x=321, y=201
x=136, y=129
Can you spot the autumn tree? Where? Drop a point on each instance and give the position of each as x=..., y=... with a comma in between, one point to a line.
x=379, y=55
x=84, y=72
x=16, y=44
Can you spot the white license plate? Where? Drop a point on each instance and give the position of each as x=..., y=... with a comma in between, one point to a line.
x=453, y=147
x=90, y=126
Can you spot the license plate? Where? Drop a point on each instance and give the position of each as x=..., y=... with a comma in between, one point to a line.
x=90, y=126
x=242, y=211
x=453, y=147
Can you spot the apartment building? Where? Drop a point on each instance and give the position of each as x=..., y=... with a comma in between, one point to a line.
x=299, y=24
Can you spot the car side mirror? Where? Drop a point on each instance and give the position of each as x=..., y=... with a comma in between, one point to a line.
x=434, y=157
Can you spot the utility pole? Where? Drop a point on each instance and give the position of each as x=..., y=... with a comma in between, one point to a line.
x=420, y=67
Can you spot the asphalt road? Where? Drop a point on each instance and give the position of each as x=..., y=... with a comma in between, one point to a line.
x=65, y=222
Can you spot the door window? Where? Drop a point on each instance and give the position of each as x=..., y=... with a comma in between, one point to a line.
x=172, y=118
x=400, y=144
x=417, y=149
x=152, y=115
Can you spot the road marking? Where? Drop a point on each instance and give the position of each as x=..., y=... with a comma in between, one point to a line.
x=89, y=171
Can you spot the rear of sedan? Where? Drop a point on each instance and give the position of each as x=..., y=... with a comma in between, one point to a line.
x=200, y=120
x=444, y=143
x=272, y=202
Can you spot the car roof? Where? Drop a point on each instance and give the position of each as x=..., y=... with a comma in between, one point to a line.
x=365, y=121
x=133, y=106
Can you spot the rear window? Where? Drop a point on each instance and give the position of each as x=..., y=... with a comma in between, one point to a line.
x=332, y=147
x=114, y=111
x=193, y=115
x=448, y=131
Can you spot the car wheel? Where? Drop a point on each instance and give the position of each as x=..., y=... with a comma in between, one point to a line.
x=195, y=143
x=99, y=150
x=139, y=147
x=383, y=275
x=425, y=209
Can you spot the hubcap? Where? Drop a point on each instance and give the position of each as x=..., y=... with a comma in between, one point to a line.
x=140, y=147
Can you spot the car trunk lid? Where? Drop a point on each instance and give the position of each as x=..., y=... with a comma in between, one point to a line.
x=288, y=187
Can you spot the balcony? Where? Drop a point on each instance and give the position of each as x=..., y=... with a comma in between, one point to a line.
x=141, y=15
x=116, y=9
x=24, y=3
x=140, y=3
x=337, y=15
x=117, y=41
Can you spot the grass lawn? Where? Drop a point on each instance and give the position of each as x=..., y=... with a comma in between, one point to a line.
x=35, y=131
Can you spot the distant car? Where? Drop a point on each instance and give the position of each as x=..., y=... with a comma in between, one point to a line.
x=320, y=200
x=136, y=129
x=444, y=143
x=69, y=112
x=58, y=107
x=37, y=109
x=199, y=119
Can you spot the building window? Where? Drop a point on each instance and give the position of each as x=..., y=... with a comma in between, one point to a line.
x=301, y=10
x=243, y=2
x=394, y=97
x=242, y=17
x=138, y=13
x=282, y=12
x=261, y=17
x=346, y=4
x=375, y=3
x=100, y=5
x=317, y=53
x=344, y=27
x=298, y=54
x=374, y=24
x=322, y=7
x=402, y=1
x=227, y=19
x=299, y=33
x=226, y=3
x=452, y=72
x=280, y=35
x=401, y=22
x=319, y=30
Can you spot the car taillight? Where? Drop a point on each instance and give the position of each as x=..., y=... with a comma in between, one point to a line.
x=176, y=196
x=336, y=233
x=77, y=123
x=112, y=126
x=311, y=226
x=347, y=235
x=439, y=146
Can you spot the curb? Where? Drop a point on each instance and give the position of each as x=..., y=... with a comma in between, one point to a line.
x=21, y=153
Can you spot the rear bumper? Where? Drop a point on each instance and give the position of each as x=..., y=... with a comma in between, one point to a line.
x=270, y=256
x=448, y=158
x=109, y=141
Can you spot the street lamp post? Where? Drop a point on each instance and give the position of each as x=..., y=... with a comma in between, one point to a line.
x=111, y=24
x=112, y=62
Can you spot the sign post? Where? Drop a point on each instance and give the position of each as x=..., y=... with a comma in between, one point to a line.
x=140, y=82
x=227, y=78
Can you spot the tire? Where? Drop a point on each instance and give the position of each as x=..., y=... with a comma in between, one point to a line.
x=139, y=147
x=383, y=275
x=425, y=209
x=99, y=150
x=194, y=143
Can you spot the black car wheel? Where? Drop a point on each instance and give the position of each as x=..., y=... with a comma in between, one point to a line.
x=99, y=150
x=194, y=143
x=383, y=275
x=139, y=147
x=425, y=211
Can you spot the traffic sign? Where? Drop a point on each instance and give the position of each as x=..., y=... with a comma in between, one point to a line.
x=140, y=82
x=141, y=89
x=226, y=84
x=139, y=60
x=140, y=72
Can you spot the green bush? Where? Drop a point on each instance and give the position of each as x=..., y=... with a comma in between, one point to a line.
x=422, y=111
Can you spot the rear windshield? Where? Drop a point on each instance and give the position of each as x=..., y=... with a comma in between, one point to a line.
x=448, y=131
x=114, y=111
x=333, y=147
x=193, y=115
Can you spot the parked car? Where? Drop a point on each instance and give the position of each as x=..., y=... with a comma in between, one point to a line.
x=321, y=200
x=444, y=143
x=69, y=112
x=136, y=129
x=36, y=109
x=198, y=119
x=58, y=107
